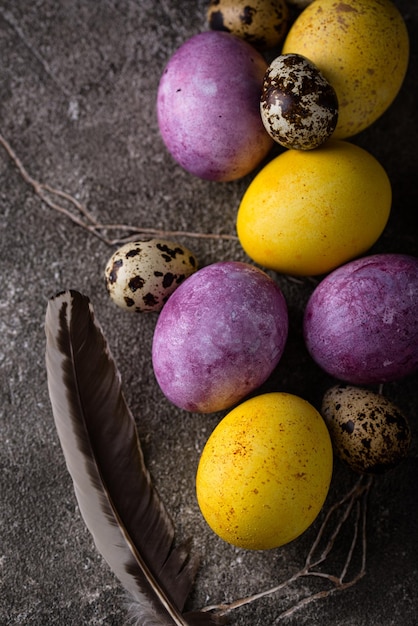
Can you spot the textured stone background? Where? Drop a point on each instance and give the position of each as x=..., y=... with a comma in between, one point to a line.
x=78, y=81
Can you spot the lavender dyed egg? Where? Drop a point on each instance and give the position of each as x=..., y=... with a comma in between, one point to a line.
x=219, y=337
x=208, y=106
x=361, y=321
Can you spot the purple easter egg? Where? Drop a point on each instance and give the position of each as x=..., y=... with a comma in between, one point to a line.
x=219, y=336
x=208, y=106
x=361, y=321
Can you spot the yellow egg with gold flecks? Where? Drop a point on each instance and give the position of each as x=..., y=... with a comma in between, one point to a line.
x=362, y=49
x=265, y=471
x=308, y=212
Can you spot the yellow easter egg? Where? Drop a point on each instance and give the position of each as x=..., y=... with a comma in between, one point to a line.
x=362, y=49
x=265, y=471
x=308, y=212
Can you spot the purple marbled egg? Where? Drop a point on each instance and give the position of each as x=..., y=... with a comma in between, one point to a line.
x=219, y=337
x=361, y=321
x=208, y=106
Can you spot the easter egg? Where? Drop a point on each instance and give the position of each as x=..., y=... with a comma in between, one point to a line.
x=141, y=275
x=368, y=432
x=307, y=212
x=219, y=336
x=265, y=471
x=360, y=323
x=298, y=106
x=362, y=49
x=263, y=23
x=208, y=106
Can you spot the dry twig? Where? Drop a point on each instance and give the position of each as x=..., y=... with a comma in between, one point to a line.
x=353, y=505
x=80, y=215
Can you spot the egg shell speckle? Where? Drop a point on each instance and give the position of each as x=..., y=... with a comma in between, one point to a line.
x=141, y=275
x=367, y=430
x=263, y=23
x=298, y=106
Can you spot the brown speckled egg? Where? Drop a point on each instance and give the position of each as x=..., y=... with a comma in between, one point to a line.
x=298, y=106
x=367, y=430
x=262, y=23
x=141, y=275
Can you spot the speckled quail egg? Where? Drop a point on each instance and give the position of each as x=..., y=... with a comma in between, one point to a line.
x=369, y=433
x=262, y=23
x=298, y=106
x=141, y=275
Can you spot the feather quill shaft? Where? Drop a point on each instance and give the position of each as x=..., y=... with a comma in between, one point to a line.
x=116, y=497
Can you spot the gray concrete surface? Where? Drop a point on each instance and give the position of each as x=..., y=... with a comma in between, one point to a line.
x=78, y=81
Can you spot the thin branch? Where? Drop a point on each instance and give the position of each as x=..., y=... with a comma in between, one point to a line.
x=66, y=196
x=338, y=582
x=161, y=232
x=80, y=215
x=353, y=544
x=349, y=498
x=304, y=602
x=354, y=498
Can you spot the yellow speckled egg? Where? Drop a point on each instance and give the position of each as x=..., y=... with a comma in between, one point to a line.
x=362, y=48
x=262, y=23
x=265, y=471
x=307, y=212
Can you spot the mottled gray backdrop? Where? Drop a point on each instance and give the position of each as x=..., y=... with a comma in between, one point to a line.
x=78, y=81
